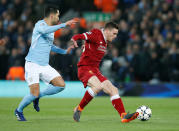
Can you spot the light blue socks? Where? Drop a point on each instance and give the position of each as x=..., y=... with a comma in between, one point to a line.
x=25, y=102
x=50, y=90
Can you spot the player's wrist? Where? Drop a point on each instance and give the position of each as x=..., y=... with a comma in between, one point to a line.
x=68, y=23
x=62, y=25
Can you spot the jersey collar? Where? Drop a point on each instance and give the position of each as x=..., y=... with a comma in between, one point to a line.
x=102, y=30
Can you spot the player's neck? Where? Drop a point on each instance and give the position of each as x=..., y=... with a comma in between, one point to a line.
x=105, y=35
x=47, y=21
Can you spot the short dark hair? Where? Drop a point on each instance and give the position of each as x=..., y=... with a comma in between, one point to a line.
x=111, y=25
x=50, y=9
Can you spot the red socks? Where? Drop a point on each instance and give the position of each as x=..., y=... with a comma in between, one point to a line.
x=86, y=99
x=118, y=104
x=116, y=101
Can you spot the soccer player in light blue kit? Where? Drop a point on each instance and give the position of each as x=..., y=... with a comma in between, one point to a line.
x=37, y=61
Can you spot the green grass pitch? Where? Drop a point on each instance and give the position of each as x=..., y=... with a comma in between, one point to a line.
x=99, y=115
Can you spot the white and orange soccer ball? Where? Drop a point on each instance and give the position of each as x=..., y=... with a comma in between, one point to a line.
x=145, y=113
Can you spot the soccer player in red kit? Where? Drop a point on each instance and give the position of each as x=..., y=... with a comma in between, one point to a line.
x=89, y=73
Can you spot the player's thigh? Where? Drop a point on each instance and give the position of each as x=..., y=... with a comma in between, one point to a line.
x=109, y=88
x=95, y=84
x=58, y=81
x=32, y=72
x=48, y=74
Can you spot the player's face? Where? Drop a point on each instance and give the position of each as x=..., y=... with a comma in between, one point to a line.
x=55, y=18
x=112, y=33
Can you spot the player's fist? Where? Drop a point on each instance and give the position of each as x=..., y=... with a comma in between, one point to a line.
x=69, y=49
x=73, y=21
x=74, y=43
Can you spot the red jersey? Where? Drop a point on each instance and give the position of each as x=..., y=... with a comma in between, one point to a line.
x=95, y=47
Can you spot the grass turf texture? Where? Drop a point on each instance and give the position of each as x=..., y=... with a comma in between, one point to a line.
x=99, y=115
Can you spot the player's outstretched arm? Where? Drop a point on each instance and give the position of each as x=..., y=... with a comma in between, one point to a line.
x=44, y=29
x=62, y=51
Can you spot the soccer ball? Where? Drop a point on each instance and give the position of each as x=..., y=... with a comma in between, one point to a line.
x=144, y=113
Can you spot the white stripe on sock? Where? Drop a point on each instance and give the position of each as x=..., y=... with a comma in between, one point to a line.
x=115, y=97
x=91, y=92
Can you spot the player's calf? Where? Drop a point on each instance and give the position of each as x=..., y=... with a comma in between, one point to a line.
x=109, y=88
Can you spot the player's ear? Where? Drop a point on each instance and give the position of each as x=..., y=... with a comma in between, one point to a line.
x=107, y=31
x=51, y=16
x=58, y=12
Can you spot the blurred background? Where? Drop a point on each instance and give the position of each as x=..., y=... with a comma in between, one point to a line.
x=142, y=61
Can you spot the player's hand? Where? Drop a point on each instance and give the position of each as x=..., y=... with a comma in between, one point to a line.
x=74, y=43
x=73, y=21
x=69, y=49
x=2, y=41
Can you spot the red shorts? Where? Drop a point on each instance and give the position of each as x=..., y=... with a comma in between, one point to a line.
x=86, y=72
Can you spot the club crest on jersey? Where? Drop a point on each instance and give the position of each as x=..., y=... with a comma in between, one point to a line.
x=90, y=71
x=42, y=24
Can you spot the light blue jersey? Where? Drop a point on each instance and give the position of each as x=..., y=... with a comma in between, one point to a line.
x=42, y=43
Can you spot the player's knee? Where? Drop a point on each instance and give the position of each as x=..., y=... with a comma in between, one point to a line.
x=35, y=93
x=60, y=84
x=96, y=89
x=34, y=90
x=63, y=84
x=115, y=90
x=110, y=89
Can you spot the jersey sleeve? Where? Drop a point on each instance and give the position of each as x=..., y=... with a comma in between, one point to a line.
x=44, y=29
x=90, y=36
